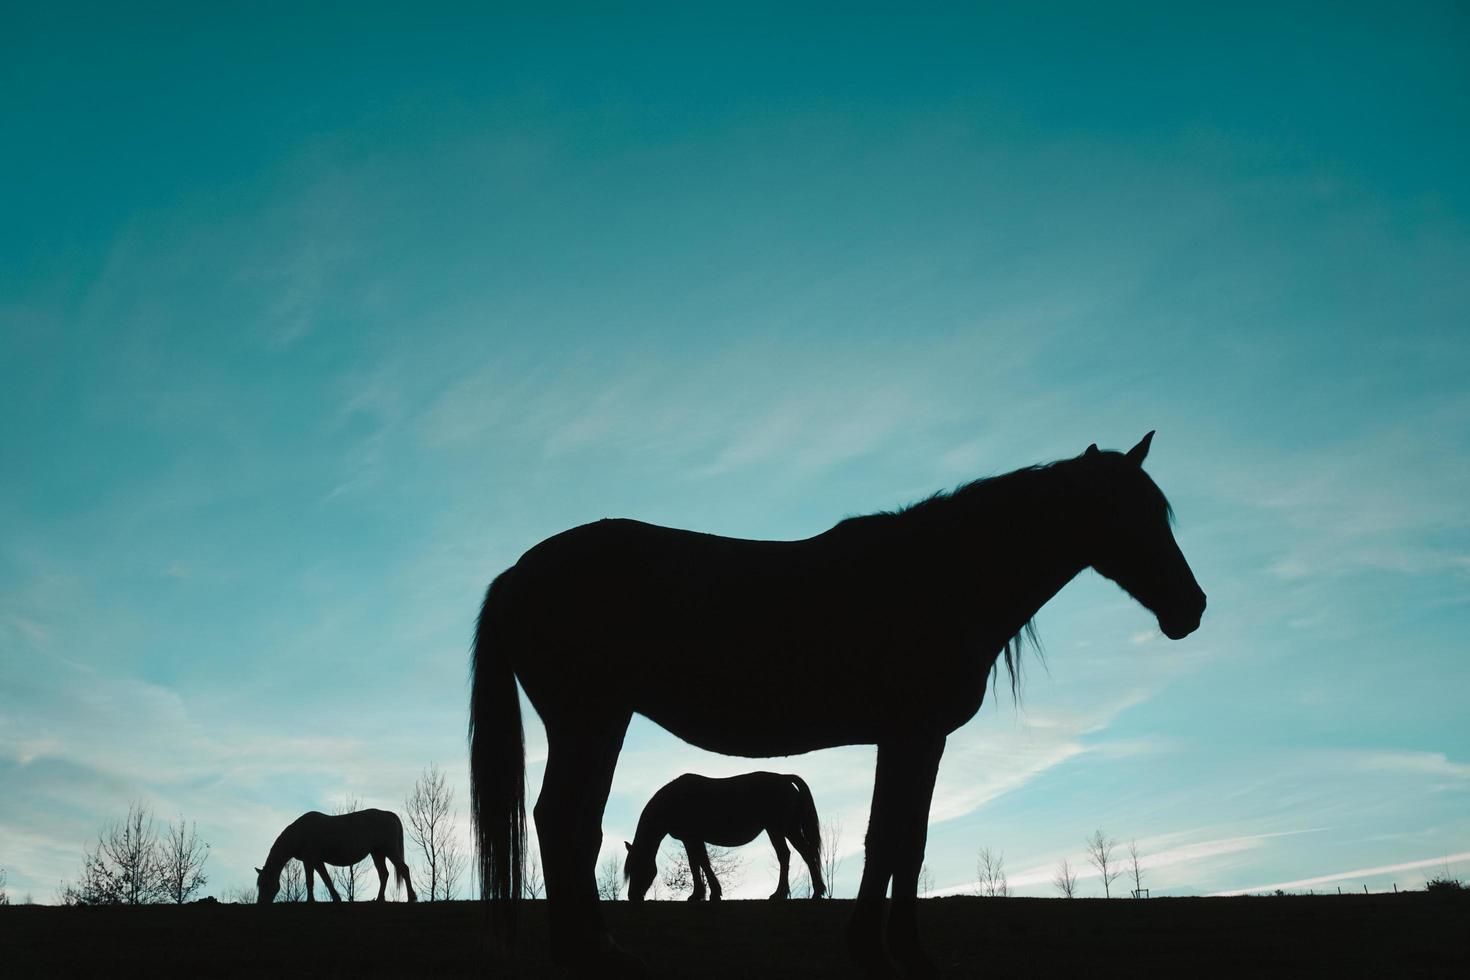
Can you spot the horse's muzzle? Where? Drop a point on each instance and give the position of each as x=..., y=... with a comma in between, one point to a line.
x=1178, y=627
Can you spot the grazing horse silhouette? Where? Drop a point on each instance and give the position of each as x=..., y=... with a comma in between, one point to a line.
x=882, y=630
x=317, y=840
x=697, y=810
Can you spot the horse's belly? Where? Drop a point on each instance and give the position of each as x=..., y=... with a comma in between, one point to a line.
x=342, y=856
x=722, y=836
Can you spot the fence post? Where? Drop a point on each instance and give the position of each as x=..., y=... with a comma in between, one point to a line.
x=1365, y=888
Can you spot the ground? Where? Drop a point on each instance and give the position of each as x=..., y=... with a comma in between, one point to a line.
x=1408, y=935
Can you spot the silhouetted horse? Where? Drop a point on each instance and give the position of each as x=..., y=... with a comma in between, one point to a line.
x=317, y=840
x=882, y=630
x=697, y=810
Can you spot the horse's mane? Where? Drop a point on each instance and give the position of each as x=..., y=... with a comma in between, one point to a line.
x=988, y=489
x=996, y=490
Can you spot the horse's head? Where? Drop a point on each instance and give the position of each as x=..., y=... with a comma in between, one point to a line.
x=266, y=887
x=1130, y=540
x=639, y=870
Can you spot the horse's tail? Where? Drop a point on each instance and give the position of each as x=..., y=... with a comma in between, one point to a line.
x=401, y=876
x=811, y=828
x=497, y=759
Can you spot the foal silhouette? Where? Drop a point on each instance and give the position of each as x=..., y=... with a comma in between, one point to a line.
x=697, y=810
x=317, y=840
x=882, y=630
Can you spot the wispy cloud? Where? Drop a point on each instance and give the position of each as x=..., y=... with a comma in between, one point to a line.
x=1327, y=879
x=1151, y=858
x=1416, y=763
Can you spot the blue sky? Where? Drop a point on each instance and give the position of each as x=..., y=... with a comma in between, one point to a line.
x=313, y=323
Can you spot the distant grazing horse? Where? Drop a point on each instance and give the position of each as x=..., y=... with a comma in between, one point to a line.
x=882, y=630
x=317, y=840
x=697, y=810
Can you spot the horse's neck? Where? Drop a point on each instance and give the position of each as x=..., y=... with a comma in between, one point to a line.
x=1019, y=550
x=282, y=851
x=653, y=826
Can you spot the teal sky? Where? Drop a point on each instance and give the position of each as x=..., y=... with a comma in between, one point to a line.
x=312, y=321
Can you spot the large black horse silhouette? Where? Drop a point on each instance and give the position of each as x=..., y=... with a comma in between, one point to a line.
x=697, y=810
x=317, y=840
x=882, y=630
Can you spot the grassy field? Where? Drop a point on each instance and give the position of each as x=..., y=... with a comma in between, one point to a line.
x=1348, y=936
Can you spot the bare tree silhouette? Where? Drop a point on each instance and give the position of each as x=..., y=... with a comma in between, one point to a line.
x=293, y=883
x=1100, y=854
x=432, y=826
x=1135, y=868
x=725, y=862
x=239, y=895
x=532, y=884
x=347, y=877
x=4, y=897
x=181, y=862
x=609, y=877
x=831, y=854
x=926, y=880
x=990, y=870
x=1065, y=880
x=124, y=867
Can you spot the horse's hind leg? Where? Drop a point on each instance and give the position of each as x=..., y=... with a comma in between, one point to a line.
x=783, y=858
x=580, y=760
x=813, y=858
x=382, y=867
x=400, y=867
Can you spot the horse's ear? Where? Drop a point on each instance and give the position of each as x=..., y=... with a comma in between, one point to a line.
x=628, y=846
x=1091, y=450
x=1140, y=451
x=258, y=871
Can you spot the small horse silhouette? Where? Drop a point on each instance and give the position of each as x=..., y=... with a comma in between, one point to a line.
x=880, y=631
x=697, y=810
x=317, y=840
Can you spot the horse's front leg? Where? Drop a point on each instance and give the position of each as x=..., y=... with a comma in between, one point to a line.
x=310, y=885
x=321, y=869
x=715, y=891
x=695, y=853
x=903, y=787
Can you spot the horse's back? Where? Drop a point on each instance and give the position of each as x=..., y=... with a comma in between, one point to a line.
x=728, y=811
x=346, y=838
x=641, y=548
x=722, y=641
x=683, y=600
